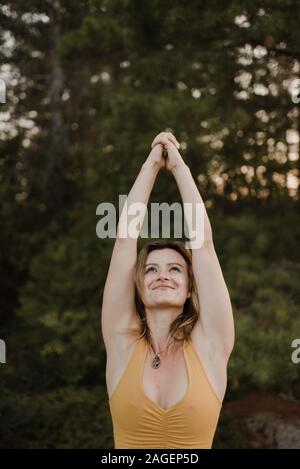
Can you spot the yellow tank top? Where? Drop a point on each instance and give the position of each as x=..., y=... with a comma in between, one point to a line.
x=138, y=422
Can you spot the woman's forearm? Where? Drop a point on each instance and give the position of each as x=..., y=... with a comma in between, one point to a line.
x=133, y=212
x=191, y=195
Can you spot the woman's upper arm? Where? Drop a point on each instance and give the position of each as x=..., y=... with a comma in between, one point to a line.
x=118, y=303
x=215, y=305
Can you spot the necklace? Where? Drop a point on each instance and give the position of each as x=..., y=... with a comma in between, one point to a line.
x=156, y=360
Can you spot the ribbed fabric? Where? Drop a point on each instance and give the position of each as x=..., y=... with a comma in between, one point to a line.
x=138, y=422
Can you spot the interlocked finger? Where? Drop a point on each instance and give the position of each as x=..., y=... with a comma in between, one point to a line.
x=163, y=141
x=173, y=139
x=164, y=137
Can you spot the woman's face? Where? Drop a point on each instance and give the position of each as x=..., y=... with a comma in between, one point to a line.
x=165, y=279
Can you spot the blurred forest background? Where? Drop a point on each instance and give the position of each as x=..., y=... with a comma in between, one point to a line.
x=88, y=86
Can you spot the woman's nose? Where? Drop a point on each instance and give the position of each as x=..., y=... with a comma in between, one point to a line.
x=163, y=276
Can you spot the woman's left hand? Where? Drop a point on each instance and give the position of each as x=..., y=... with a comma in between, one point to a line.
x=171, y=145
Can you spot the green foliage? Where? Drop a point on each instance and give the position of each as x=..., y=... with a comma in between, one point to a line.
x=68, y=417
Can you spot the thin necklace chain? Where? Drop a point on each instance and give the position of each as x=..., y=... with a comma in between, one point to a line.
x=156, y=362
x=158, y=353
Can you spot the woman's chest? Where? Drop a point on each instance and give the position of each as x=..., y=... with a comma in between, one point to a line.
x=168, y=384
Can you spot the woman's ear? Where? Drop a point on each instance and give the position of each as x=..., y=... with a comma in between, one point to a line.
x=189, y=295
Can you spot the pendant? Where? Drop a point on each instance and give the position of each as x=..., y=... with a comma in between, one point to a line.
x=156, y=362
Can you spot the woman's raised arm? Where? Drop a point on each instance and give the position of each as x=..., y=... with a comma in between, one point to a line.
x=118, y=303
x=216, y=319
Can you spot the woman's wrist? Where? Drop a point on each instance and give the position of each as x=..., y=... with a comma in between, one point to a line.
x=151, y=165
x=180, y=166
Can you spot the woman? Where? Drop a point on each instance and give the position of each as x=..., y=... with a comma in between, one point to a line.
x=165, y=387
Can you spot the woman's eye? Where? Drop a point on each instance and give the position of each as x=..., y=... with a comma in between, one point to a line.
x=153, y=268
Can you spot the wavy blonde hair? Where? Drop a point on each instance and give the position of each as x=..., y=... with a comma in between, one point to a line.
x=181, y=328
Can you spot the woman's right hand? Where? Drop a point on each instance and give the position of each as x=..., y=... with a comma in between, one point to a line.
x=156, y=155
